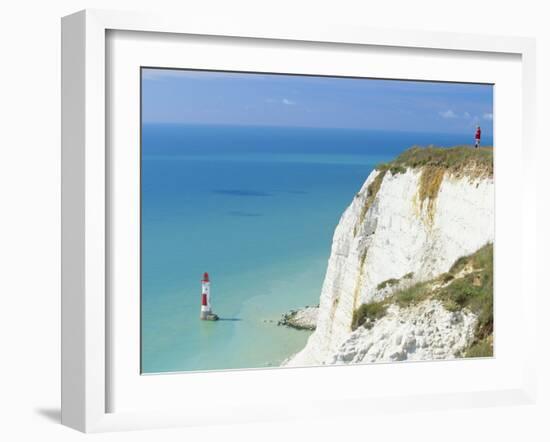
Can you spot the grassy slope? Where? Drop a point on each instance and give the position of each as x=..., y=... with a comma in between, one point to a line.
x=458, y=160
x=467, y=284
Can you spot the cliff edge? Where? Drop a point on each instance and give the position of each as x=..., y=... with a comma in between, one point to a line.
x=406, y=228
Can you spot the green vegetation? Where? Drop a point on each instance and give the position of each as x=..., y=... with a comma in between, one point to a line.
x=480, y=349
x=367, y=314
x=446, y=277
x=394, y=169
x=459, y=265
x=392, y=281
x=388, y=282
x=412, y=295
x=472, y=287
x=459, y=160
x=482, y=259
x=468, y=284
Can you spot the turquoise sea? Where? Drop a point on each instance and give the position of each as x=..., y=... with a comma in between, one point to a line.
x=256, y=207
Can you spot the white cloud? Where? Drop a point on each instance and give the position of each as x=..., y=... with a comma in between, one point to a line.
x=284, y=101
x=448, y=114
x=467, y=115
x=487, y=116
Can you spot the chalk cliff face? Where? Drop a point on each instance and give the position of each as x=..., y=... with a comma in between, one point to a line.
x=408, y=226
x=423, y=332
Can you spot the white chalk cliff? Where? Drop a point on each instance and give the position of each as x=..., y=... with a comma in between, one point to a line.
x=395, y=229
x=423, y=332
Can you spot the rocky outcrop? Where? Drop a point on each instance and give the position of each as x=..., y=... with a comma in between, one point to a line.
x=302, y=319
x=406, y=224
x=426, y=331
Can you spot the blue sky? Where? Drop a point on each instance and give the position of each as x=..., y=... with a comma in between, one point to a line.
x=200, y=97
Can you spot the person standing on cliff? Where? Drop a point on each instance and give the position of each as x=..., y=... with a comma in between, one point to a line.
x=478, y=137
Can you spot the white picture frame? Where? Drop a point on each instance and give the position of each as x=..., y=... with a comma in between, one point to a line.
x=86, y=352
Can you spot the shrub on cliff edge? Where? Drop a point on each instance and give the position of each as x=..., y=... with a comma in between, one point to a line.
x=367, y=314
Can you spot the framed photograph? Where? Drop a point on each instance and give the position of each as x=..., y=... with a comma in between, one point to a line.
x=262, y=223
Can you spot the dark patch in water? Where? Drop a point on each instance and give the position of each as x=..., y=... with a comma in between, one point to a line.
x=296, y=192
x=244, y=214
x=240, y=192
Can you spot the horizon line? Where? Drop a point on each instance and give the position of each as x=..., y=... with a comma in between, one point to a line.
x=297, y=127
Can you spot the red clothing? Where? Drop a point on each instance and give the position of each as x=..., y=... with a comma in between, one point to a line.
x=478, y=134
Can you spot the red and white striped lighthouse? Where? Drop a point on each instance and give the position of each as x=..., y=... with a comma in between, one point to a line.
x=206, y=302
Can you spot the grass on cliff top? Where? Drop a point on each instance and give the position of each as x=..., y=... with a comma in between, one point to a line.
x=459, y=160
x=435, y=162
x=467, y=284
